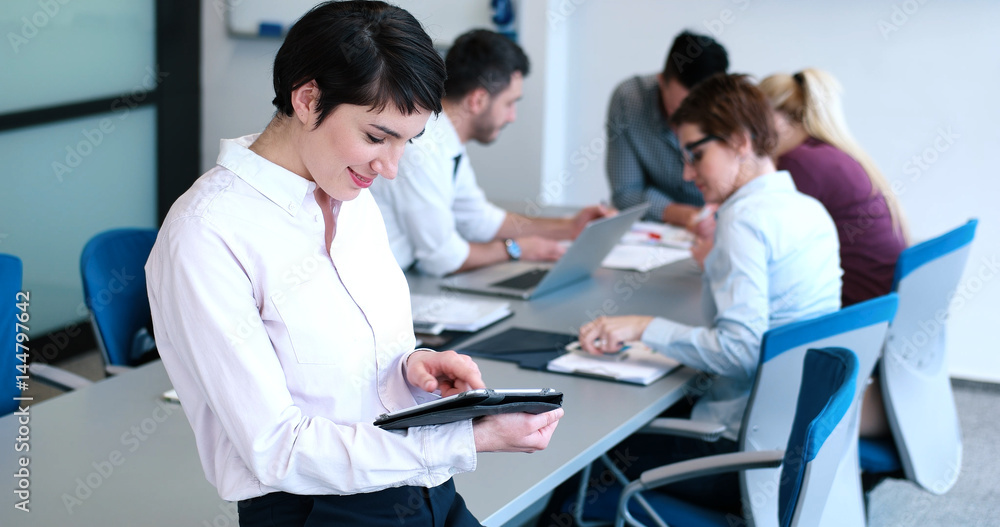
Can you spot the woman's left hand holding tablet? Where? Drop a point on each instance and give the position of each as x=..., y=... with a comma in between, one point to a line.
x=447, y=371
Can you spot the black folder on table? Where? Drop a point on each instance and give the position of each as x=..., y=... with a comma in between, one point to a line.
x=471, y=404
x=529, y=348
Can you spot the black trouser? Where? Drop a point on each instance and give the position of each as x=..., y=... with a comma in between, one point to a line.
x=439, y=506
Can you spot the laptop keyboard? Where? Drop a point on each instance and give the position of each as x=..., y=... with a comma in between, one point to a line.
x=523, y=281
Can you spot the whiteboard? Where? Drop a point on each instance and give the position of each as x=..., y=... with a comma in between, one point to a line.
x=444, y=20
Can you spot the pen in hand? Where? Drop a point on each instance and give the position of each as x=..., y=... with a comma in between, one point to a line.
x=611, y=355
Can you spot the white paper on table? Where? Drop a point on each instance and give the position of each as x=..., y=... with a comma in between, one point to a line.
x=638, y=365
x=435, y=313
x=643, y=257
x=652, y=233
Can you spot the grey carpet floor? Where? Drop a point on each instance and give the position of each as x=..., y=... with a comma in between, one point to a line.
x=975, y=498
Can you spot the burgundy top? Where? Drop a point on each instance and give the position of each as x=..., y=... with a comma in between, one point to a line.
x=869, y=247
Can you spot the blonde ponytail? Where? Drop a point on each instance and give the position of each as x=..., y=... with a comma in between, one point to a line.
x=812, y=98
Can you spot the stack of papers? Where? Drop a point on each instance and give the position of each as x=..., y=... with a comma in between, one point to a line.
x=649, y=245
x=637, y=365
x=642, y=257
x=652, y=233
x=436, y=313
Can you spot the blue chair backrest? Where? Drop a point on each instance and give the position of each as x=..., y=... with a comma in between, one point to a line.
x=771, y=407
x=114, y=288
x=10, y=285
x=820, y=438
x=916, y=388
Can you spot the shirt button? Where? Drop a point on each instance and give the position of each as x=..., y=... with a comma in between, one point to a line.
x=292, y=206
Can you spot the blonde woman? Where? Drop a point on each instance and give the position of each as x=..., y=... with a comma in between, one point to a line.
x=826, y=163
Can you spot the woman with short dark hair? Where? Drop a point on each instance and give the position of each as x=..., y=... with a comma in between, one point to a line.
x=281, y=316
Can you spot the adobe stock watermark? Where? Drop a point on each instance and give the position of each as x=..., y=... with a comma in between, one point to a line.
x=245, y=324
x=922, y=162
x=228, y=516
x=718, y=25
x=222, y=7
x=47, y=10
x=95, y=137
x=131, y=440
x=907, y=347
x=597, y=486
x=920, y=505
x=898, y=17
x=767, y=490
x=581, y=158
x=561, y=12
x=624, y=287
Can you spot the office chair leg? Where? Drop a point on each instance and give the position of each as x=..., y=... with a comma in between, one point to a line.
x=581, y=494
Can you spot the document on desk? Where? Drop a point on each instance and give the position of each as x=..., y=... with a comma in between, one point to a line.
x=653, y=233
x=642, y=257
x=637, y=365
x=436, y=313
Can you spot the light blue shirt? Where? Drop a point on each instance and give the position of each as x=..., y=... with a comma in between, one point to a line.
x=775, y=260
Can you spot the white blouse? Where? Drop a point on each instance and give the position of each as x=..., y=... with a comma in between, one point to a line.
x=284, y=351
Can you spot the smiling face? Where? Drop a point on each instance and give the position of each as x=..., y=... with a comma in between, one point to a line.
x=354, y=145
x=712, y=164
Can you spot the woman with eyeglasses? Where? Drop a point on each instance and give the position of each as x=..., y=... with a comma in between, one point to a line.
x=774, y=261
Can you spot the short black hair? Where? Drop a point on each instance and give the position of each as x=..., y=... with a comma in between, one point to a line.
x=365, y=53
x=482, y=58
x=693, y=58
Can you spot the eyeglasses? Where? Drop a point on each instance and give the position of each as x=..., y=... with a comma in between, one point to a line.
x=687, y=151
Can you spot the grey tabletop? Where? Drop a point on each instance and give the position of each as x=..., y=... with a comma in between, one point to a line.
x=115, y=454
x=599, y=413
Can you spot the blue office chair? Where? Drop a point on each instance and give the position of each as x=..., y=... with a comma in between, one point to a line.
x=10, y=285
x=824, y=427
x=11, y=276
x=767, y=422
x=926, y=442
x=114, y=290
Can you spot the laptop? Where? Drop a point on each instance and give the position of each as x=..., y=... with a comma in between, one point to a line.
x=526, y=280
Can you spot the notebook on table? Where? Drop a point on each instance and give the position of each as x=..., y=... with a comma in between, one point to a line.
x=527, y=280
x=559, y=353
x=433, y=314
x=638, y=364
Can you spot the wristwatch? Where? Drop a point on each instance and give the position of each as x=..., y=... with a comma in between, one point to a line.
x=513, y=249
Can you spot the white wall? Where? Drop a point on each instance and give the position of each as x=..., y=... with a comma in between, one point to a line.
x=924, y=88
x=920, y=80
x=236, y=87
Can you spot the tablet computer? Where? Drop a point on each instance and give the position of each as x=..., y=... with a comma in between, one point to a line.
x=470, y=404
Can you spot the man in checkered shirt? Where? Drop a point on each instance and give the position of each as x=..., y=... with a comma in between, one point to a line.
x=644, y=158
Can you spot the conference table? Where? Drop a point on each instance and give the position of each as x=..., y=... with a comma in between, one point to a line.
x=115, y=453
